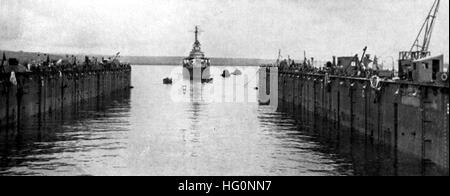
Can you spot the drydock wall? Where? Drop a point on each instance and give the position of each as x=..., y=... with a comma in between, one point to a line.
x=411, y=118
x=39, y=93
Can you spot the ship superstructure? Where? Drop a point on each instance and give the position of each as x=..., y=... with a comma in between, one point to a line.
x=196, y=66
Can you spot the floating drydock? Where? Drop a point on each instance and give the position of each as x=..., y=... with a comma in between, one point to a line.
x=35, y=93
x=410, y=117
x=407, y=109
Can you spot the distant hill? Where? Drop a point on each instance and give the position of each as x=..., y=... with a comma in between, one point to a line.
x=135, y=60
x=27, y=56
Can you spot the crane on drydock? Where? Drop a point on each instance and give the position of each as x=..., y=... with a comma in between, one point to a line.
x=432, y=69
x=420, y=47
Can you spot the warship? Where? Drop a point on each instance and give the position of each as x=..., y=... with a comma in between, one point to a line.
x=197, y=66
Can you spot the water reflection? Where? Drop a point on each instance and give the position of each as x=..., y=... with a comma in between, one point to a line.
x=62, y=143
x=359, y=154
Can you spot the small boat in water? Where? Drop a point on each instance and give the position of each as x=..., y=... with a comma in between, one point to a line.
x=167, y=81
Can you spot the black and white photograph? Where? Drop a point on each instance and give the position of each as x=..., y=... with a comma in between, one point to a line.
x=224, y=88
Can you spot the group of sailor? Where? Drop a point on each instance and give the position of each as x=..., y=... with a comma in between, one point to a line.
x=69, y=63
x=351, y=70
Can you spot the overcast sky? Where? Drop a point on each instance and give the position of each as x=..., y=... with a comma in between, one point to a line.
x=232, y=28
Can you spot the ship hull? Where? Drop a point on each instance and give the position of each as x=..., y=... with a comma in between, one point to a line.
x=197, y=72
x=189, y=73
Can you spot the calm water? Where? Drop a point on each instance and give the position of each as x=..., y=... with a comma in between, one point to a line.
x=182, y=129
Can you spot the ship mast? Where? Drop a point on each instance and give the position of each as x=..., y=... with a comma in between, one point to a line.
x=196, y=50
x=196, y=34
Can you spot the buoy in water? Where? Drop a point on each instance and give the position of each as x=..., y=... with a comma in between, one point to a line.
x=226, y=74
x=236, y=72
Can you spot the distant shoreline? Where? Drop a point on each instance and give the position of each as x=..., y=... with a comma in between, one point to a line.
x=136, y=60
x=174, y=65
